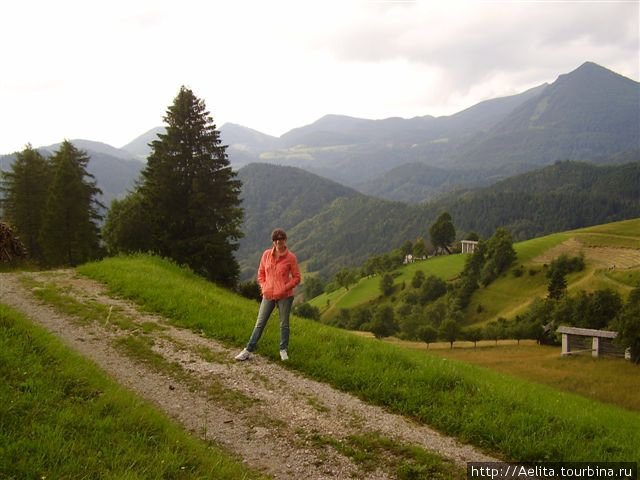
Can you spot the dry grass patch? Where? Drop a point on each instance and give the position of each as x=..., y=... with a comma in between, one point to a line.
x=607, y=380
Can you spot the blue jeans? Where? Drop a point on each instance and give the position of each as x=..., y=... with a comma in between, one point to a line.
x=266, y=308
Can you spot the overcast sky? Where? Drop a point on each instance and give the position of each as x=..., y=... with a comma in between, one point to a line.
x=107, y=70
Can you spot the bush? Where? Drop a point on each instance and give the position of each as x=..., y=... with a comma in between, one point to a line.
x=386, y=285
x=566, y=265
x=251, y=290
x=432, y=289
x=307, y=311
x=418, y=279
x=518, y=272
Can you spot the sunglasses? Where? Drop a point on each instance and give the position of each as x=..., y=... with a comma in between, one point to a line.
x=279, y=238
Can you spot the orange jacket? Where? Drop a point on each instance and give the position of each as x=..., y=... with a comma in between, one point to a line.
x=278, y=276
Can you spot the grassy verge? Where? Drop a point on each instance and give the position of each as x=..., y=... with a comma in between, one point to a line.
x=61, y=417
x=373, y=451
x=513, y=418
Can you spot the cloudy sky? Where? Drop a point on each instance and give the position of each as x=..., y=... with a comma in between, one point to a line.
x=106, y=71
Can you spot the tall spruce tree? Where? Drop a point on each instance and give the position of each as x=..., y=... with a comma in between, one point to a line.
x=191, y=194
x=25, y=189
x=70, y=233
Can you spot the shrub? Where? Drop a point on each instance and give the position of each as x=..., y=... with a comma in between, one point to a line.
x=307, y=311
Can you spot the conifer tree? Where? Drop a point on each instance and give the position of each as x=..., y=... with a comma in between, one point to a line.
x=191, y=194
x=69, y=234
x=25, y=189
x=557, y=285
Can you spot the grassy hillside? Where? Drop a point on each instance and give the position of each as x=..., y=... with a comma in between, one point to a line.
x=368, y=289
x=515, y=419
x=62, y=417
x=612, y=254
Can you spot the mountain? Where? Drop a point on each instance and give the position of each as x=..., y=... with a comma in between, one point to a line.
x=343, y=130
x=357, y=151
x=419, y=183
x=248, y=139
x=563, y=196
x=589, y=114
x=281, y=197
x=337, y=227
x=91, y=146
x=244, y=144
x=139, y=146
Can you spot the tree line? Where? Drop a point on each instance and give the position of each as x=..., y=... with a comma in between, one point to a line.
x=185, y=206
x=52, y=204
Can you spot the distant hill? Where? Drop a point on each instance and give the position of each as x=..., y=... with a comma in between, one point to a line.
x=139, y=146
x=418, y=182
x=343, y=130
x=244, y=144
x=115, y=170
x=563, y=196
x=589, y=114
x=279, y=197
x=344, y=228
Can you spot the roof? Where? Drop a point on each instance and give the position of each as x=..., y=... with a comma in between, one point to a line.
x=587, y=332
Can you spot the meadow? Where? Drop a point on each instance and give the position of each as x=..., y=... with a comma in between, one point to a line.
x=62, y=417
x=508, y=296
x=513, y=418
x=609, y=380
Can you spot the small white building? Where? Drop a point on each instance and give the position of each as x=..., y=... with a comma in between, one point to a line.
x=469, y=246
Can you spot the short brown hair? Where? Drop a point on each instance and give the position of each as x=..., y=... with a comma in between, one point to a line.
x=278, y=233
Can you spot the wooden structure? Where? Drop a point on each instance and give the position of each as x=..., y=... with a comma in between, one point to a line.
x=469, y=246
x=583, y=340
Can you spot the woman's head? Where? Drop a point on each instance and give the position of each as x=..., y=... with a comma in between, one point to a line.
x=278, y=234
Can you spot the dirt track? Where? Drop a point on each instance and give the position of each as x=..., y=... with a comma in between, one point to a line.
x=275, y=419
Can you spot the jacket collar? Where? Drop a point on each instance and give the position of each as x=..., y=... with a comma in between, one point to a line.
x=284, y=254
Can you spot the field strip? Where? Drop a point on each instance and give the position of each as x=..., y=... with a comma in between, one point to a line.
x=275, y=419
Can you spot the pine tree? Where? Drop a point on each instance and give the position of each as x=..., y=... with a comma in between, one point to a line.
x=25, y=189
x=69, y=234
x=191, y=194
x=557, y=285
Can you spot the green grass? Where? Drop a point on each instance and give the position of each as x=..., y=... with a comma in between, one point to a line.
x=373, y=451
x=628, y=277
x=367, y=289
x=62, y=417
x=83, y=312
x=629, y=228
x=529, y=249
x=510, y=417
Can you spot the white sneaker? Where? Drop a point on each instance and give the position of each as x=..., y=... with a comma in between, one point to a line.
x=243, y=355
x=283, y=355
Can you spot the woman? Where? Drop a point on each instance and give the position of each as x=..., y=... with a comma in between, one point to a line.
x=278, y=275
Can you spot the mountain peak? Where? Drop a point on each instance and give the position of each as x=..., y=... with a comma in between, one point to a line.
x=590, y=71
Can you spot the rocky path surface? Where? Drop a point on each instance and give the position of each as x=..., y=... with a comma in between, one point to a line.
x=276, y=420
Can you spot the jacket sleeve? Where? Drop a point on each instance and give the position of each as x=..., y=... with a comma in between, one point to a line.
x=261, y=272
x=295, y=274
